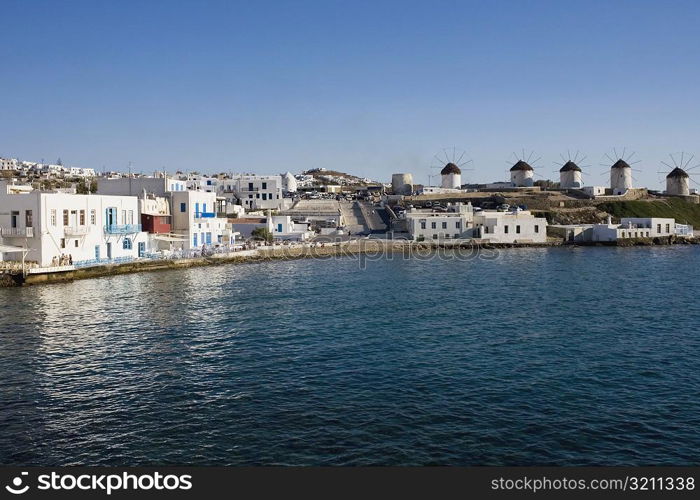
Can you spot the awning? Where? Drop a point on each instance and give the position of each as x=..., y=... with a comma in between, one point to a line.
x=11, y=249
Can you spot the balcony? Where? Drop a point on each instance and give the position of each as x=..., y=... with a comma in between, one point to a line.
x=204, y=215
x=75, y=230
x=123, y=229
x=17, y=232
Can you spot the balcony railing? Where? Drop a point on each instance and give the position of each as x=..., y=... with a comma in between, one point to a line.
x=17, y=232
x=75, y=230
x=204, y=215
x=123, y=229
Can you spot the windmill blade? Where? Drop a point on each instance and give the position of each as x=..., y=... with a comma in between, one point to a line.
x=562, y=158
x=630, y=156
x=669, y=166
x=608, y=157
x=462, y=156
x=538, y=159
x=688, y=162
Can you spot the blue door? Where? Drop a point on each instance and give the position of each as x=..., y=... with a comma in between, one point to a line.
x=279, y=228
x=142, y=249
x=97, y=252
x=195, y=240
x=208, y=238
x=196, y=209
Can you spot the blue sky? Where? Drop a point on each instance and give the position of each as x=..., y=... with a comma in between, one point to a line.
x=370, y=88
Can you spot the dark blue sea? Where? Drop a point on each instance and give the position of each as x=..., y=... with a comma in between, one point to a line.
x=564, y=356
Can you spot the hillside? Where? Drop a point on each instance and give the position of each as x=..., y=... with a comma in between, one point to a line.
x=682, y=211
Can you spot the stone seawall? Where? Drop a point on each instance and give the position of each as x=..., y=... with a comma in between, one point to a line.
x=372, y=248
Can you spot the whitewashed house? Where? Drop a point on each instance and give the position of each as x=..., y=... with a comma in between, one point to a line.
x=135, y=186
x=429, y=225
x=254, y=191
x=194, y=216
x=81, y=228
x=518, y=226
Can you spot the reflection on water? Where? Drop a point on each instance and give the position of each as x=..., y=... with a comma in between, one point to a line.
x=543, y=356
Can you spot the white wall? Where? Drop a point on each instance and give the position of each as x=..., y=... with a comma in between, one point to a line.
x=511, y=227
x=190, y=210
x=85, y=234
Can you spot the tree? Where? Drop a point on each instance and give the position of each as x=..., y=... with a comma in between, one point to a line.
x=262, y=234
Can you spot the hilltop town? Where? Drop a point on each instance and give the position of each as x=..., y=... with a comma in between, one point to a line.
x=56, y=219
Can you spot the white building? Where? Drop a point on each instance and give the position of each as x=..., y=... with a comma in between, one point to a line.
x=282, y=227
x=629, y=228
x=254, y=191
x=594, y=190
x=194, y=218
x=135, y=186
x=8, y=163
x=84, y=228
x=518, y=226
x=428, y=225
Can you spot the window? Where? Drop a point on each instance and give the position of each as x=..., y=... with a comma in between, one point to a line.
x=264, y=185
x=435, y=236
x=250, y=186
x=264, y=196
x=257, y=195
x=65, y=217
x=63, y=243
x=422, y=224
x=127, y=243
x=517, y=229
x=433, y=225
x=82, y=217
x=658, y=228
x=456, y=235
x=505, y=229
x=28, y=219
x=53, y=217
x=458, y=224
x=93, y=217
x=623, y=234
x=14, y=216
x=208, y=182
x=183, y=207
x=76, y=243
x=537, y=228
x=486, y=230
x=131, y=216
x=444, y=225
x=668, y=228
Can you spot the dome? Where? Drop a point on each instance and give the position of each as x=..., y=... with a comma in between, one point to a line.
x=521, y=165
x=621, y=164
x=570, y=166
x=677, y=172
x=451, y=168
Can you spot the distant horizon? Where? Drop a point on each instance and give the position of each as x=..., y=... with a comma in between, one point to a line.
x=368, y=88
